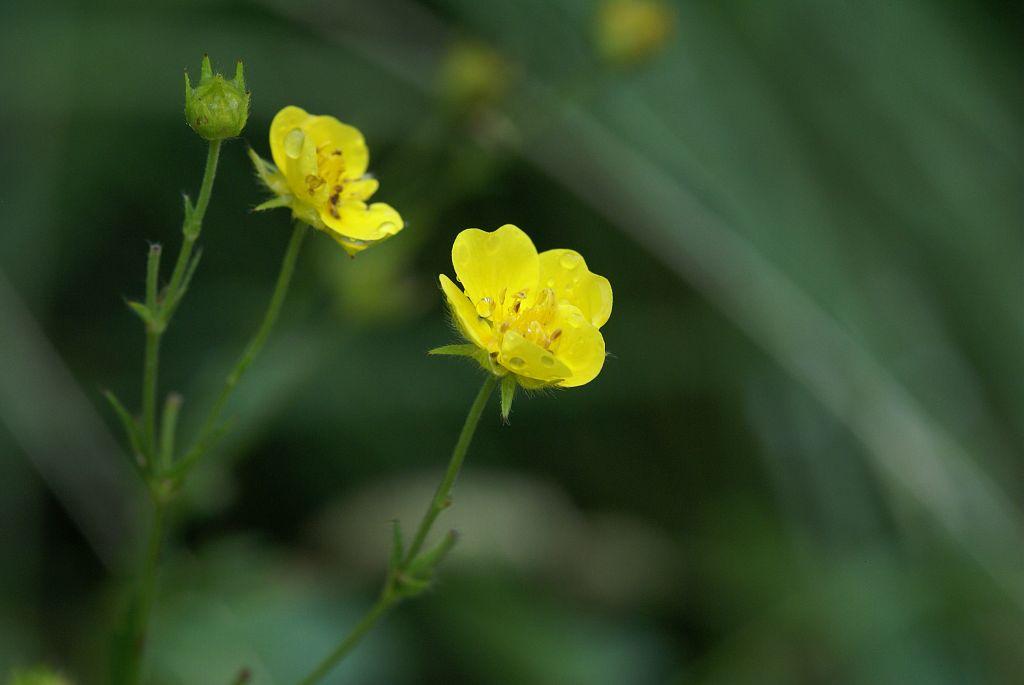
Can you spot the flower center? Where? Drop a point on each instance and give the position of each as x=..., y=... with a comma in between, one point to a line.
x=329, y=178
x=533, y=323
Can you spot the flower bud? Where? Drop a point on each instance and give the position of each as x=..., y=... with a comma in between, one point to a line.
x=216, y=108
x=473, y=75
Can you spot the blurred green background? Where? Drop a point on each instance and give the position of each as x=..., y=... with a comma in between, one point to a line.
x=802, y=462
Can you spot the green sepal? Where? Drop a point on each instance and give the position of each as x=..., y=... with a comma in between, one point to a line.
x=273, y=203
x=131, y=429
x=456, y=351
x=508, y=393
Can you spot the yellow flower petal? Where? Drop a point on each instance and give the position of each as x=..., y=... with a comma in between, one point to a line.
x=566, y=272
x=525, y=358
x=363, y=222
x=284, y=122
x=361, y=189
x=495, y=264
x=300, y=168
x=464, y=313
x=326, y=130
x=580, y=346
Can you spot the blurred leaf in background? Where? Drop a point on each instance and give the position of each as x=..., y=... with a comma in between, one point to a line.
x=806, y=446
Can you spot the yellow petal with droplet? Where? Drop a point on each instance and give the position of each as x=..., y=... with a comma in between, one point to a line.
x=300, y=168
x=522, y=357
x=284, y=122
x=580, y=346
x=493, y=264
x=363, y=222
x=475, y=330
x=566, y=272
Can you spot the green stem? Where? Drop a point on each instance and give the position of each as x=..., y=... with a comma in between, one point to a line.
x=441, y=498
x=161, y=311
x=143, y=604
x=380, y=607
x=151, y=367
x=391, y=595
x=210, y=428
x=193, y=224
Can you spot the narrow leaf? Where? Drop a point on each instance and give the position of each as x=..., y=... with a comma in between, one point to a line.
x=397, y=546
x=131, y=429
x=423, y=565
x=141, y=310
x=152, y=275
x=169, y=427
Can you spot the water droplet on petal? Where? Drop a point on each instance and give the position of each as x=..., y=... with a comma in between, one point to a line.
x=547, y=360
x=485, y=307
x=517, y=362
x=388, y=228
x=569, y=261
x=293, y=143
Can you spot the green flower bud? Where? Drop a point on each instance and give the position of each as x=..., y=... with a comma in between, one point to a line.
x=217, y=108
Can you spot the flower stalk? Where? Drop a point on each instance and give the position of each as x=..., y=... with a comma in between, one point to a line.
x=212, y=427
x=411, y=572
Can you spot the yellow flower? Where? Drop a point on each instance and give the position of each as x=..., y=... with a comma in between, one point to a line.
x=537, y=316
x=319, y=172
x=631, y=31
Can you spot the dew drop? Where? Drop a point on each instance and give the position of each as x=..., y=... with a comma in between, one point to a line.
x=485, y=307
x=388, y=228
x=517, y=362
x=547, y=360
x=293, y=143
x=569, y=261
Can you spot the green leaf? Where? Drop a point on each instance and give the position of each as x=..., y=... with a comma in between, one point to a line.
x=508, y=393
x=456, y=351
x=141, y=310
x=131, y=429
x=422, y=567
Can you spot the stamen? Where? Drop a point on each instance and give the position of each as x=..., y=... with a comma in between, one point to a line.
x=313, y=183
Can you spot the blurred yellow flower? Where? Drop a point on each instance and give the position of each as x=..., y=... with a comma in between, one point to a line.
x=631, y=31
x=535, y=315
x=319, y=172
